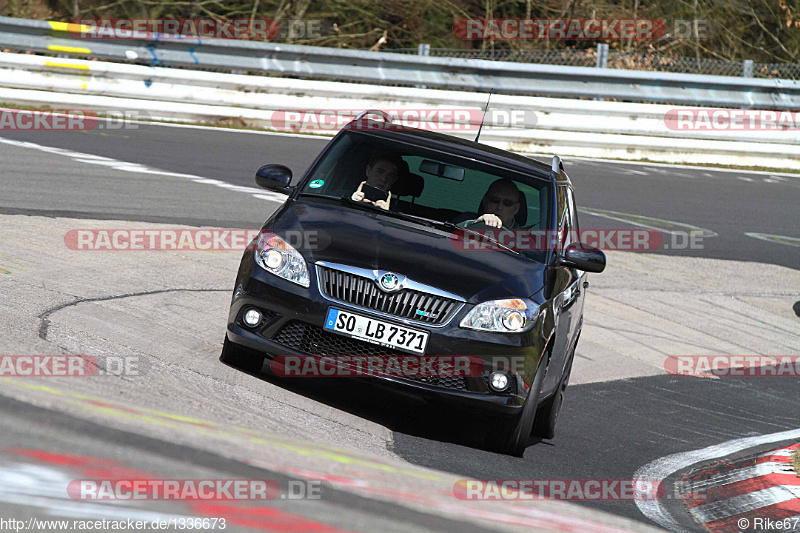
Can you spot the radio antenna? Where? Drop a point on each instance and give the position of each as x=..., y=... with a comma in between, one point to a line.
x=485, y=109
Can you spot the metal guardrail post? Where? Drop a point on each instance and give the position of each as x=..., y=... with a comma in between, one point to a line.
x=747, y=68
x=602, y=56
x=602, y=61
x=423, y=49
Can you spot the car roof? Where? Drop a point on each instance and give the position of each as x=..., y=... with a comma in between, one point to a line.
x=459, y=146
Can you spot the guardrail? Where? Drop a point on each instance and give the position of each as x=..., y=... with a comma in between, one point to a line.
x=550, y=125
x=308, y=62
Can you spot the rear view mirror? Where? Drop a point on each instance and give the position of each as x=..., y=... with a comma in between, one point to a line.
x=275, y=178
x=442, y=170
x=584, y=257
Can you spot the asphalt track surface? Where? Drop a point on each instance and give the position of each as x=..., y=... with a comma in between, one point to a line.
x=729, y=204
x=606, y=430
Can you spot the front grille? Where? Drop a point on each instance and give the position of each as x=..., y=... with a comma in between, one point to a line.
x=448, y=382
x=313, y=340
x=405, y=303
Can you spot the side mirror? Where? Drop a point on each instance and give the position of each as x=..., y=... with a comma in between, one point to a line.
x=275, y=178
x=584, y=257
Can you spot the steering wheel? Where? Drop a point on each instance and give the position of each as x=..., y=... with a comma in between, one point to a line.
x=483, y=226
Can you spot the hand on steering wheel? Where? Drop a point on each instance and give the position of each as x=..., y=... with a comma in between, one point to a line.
x=493, y=221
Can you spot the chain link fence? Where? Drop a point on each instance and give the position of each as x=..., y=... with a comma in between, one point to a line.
x=786, y=71
x=620, y=60
x=575, y=58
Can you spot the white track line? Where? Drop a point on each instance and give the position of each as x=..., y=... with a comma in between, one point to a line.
x=775, y=239
x=141, y=169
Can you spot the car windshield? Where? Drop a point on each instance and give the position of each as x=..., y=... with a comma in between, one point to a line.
x=432, y=184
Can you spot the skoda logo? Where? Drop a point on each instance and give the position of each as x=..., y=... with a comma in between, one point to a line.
x=390, y=282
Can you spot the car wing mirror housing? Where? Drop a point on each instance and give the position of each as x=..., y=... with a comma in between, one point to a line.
x=583, y=257
x=276, y=178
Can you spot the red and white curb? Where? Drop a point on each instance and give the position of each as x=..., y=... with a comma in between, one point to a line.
x=729, y=496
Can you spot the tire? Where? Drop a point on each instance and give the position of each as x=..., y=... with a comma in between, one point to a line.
x=510, y=436
x=241, y=357
x=546, y=418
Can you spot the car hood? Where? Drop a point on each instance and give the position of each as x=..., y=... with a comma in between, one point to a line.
x=326, y=230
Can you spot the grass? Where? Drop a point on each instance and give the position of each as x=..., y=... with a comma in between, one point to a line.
x=796, y=461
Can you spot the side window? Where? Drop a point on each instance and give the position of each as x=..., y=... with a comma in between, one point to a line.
x=330, y=176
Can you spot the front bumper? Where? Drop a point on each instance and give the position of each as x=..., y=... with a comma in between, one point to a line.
x=293, y=325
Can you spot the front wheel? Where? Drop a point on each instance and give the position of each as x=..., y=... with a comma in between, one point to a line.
x=511, y=435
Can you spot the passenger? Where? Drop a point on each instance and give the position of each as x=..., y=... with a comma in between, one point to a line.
x=498, y=208
x=383, y=170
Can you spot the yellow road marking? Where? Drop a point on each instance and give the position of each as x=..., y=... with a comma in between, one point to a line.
x=167, y=419
x=69, y=50
x=68, y=27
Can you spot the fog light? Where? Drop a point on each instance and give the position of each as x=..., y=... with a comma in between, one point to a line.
x=252, y=317
x=498, y=381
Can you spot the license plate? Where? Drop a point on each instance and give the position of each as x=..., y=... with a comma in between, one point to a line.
x=376, y=331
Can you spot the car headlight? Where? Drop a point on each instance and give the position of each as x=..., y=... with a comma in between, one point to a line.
x=504, y=316
x=276, y=256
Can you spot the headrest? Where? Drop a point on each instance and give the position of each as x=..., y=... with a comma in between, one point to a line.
x=409, y=184
x=522, y=215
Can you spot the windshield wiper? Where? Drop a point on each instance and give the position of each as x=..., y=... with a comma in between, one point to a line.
x=396, y=214
x=318, y=195
x=431, y=223
x=453, y=227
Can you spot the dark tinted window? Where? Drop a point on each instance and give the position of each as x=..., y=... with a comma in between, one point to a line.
x=421, y=192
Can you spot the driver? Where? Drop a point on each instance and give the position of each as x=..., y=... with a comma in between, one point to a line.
x=498, y=208
x=383, y=171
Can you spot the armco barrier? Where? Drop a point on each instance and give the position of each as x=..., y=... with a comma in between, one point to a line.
x=568, y=126
x=563, y=126
x=380, y=68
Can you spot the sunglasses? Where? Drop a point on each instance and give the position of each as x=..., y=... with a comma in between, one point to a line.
x=506, y=202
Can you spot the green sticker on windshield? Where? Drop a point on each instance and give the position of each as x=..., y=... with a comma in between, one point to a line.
x=316, y=184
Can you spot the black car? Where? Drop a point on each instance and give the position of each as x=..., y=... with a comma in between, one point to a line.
x=329, y=268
